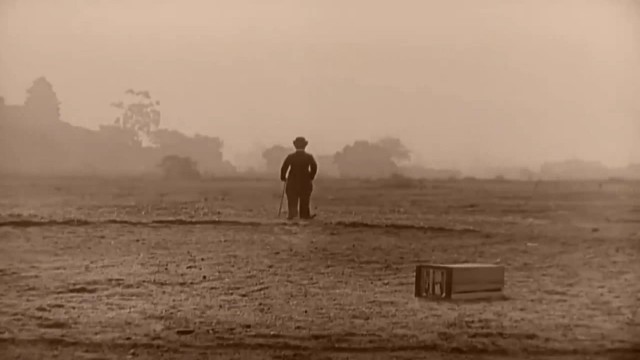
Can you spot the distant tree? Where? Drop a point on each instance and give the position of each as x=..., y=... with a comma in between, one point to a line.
x=42, y=102
x=177, y=167
x=327, y=166
x=120, y=136
x=274, y=156
x=141, y=115
x=365, y=160
x=205, y=150
x=397, y=150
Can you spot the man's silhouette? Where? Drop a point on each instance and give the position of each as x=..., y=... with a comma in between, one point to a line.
x=302, y=168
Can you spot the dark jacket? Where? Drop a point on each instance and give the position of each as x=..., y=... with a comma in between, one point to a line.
x=303, y=168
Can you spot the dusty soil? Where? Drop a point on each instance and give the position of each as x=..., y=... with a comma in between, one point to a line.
x=137, y=268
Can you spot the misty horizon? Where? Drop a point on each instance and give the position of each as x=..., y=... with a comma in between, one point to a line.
x=463, y=85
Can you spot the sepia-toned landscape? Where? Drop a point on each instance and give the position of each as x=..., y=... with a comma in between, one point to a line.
x=145, y=268
x=158, y=159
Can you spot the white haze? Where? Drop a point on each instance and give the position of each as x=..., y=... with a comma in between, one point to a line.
x=464, y=83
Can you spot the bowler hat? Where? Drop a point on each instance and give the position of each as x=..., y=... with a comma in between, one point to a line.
x=300, y=142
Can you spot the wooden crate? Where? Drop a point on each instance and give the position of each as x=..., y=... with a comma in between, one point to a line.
x=459, y=281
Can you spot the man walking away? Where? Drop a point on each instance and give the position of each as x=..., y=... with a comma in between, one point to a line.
x=302, y=168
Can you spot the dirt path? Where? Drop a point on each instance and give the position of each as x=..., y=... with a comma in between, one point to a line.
x=309, y=287
x=338, y=288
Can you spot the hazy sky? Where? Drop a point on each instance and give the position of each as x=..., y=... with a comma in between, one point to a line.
x=463, y=83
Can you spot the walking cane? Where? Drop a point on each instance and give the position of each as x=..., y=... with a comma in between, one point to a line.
x=284, y=187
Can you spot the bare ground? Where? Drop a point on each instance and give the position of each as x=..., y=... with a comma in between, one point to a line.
x=101, y=269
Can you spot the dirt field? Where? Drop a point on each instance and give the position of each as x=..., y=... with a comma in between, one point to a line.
x=102, y=269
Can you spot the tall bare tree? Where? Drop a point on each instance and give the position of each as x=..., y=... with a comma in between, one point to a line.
x=140, y=116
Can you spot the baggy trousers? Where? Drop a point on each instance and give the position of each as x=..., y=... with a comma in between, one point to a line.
x=299, y=195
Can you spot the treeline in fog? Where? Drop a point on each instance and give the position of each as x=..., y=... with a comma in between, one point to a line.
x=35, y=140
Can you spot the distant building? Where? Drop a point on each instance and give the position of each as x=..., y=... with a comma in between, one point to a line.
x=12, y=112
x=41, y=105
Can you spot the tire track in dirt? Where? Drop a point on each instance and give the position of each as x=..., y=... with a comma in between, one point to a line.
x=230, y=343
x=401, y=226
x=24, y=223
